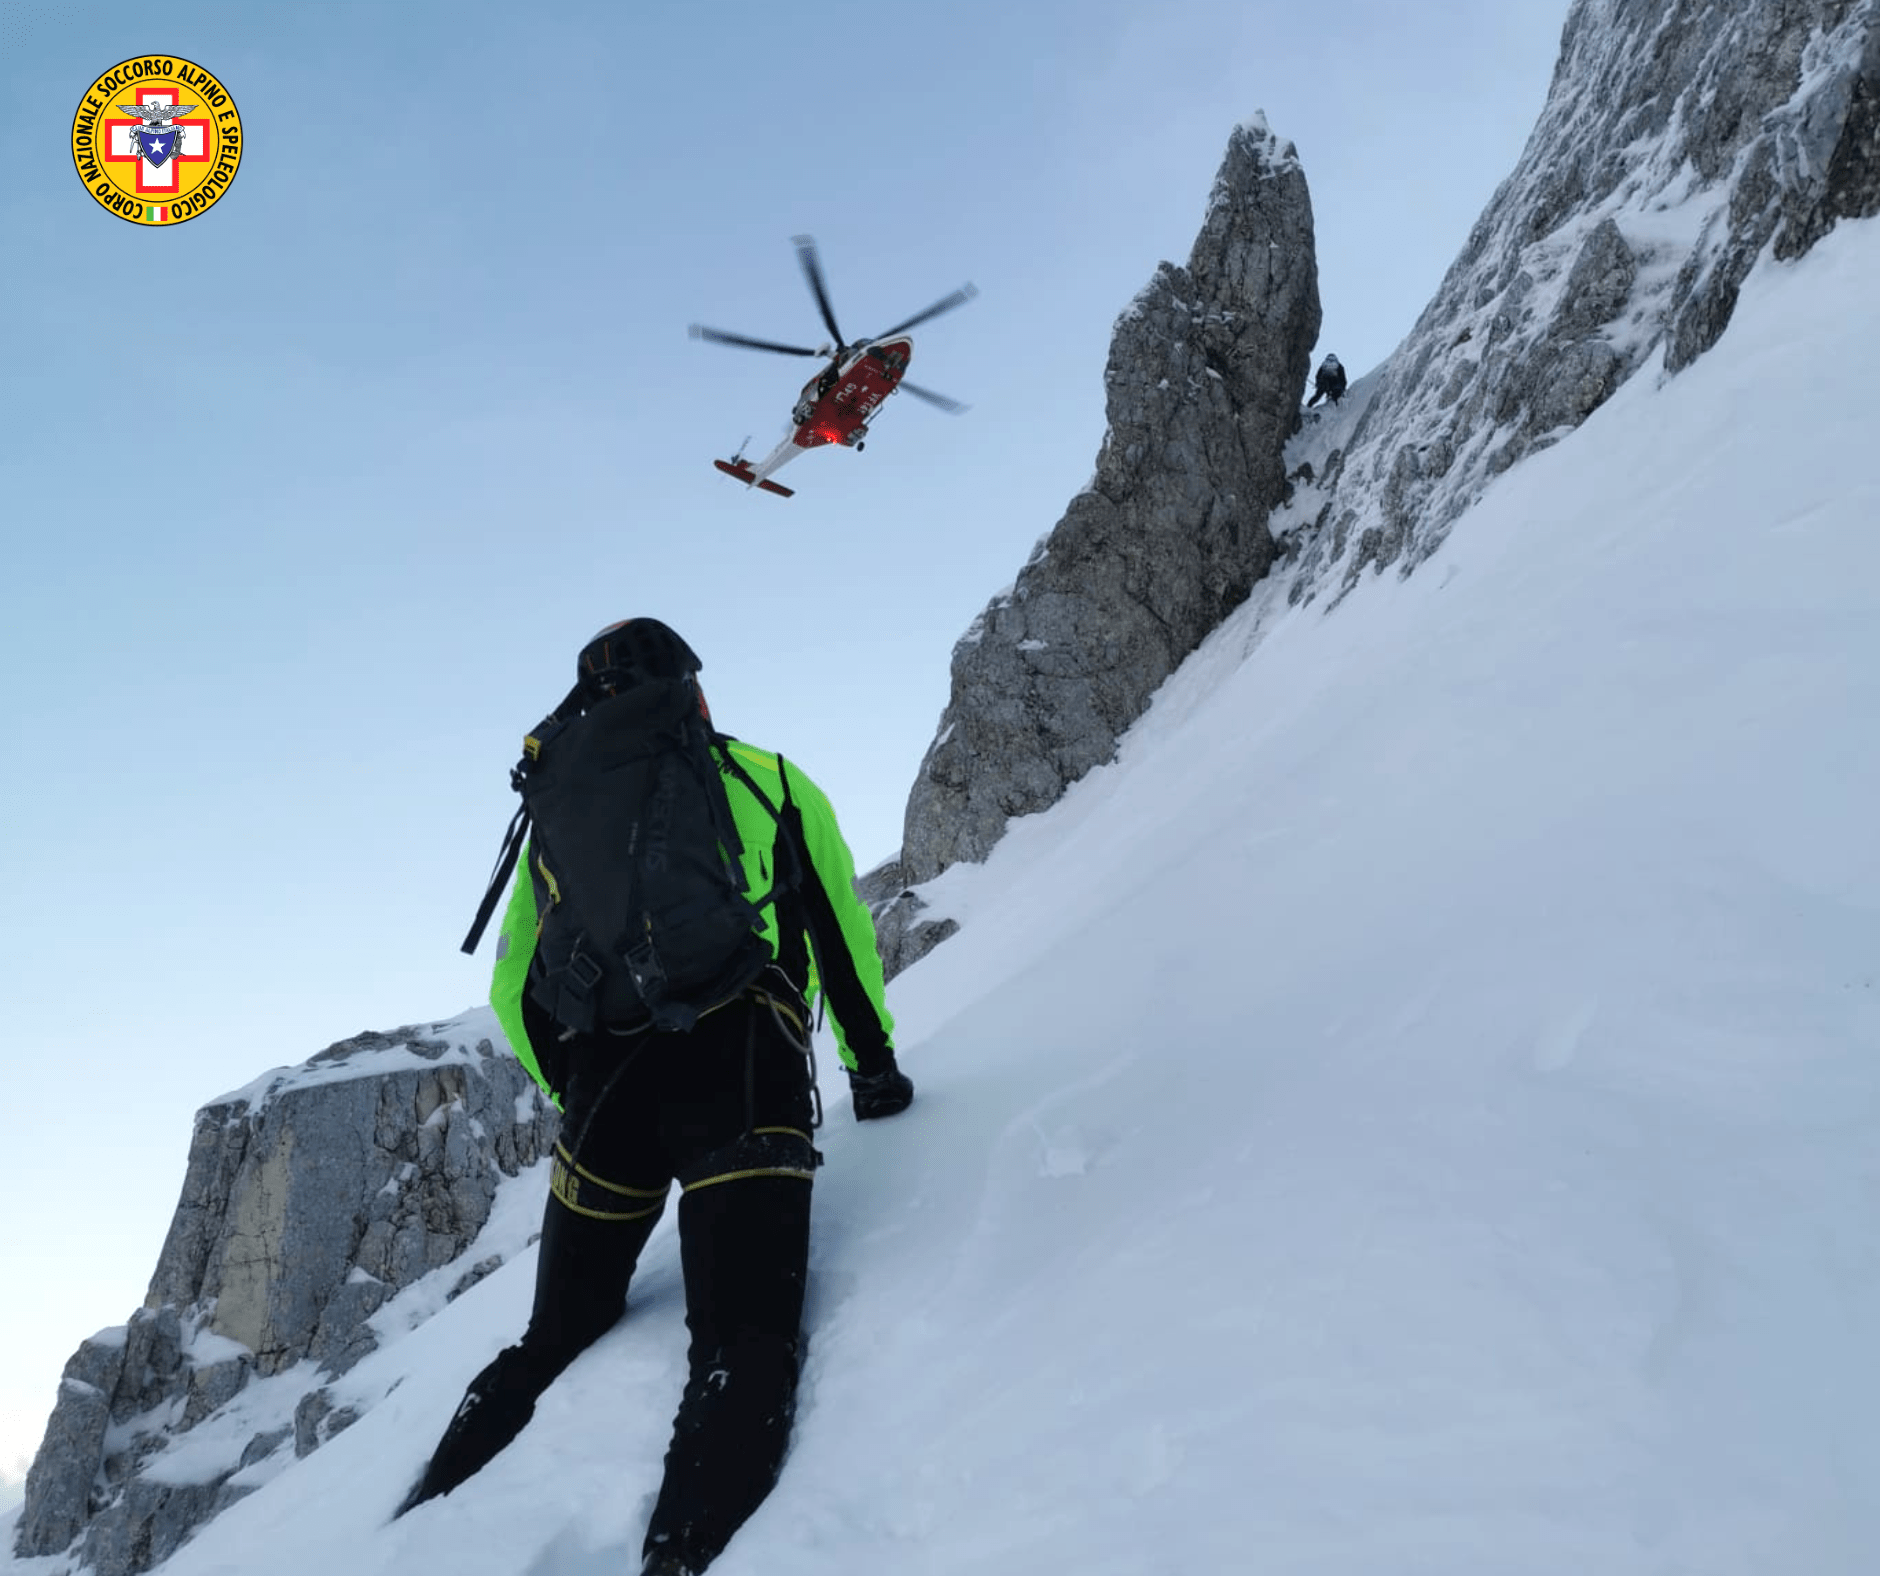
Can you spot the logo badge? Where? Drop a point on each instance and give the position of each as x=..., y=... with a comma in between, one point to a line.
x=157, y=140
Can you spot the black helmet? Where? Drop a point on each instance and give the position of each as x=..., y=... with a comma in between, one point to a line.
x=624, y=654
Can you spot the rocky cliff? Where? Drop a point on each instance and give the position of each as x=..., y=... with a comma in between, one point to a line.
x=1682, y=141
x=1205, y=372
x=311, y=1198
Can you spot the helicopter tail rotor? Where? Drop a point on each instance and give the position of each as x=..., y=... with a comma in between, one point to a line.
x=741, y=469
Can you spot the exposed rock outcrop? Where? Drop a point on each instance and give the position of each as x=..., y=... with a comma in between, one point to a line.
x=1205, y=373
x=902, y=935
x=311, y=1197
x=1681, y=141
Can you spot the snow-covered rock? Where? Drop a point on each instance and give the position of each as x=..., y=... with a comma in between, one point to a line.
x=1204, y=376
x=312, y=1198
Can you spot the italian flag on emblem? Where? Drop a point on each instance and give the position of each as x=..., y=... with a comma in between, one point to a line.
x=157, y=215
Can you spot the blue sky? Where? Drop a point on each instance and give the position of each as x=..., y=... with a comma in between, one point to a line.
x=308, y=502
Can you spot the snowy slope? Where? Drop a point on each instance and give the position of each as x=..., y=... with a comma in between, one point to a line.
x=1415, y=1113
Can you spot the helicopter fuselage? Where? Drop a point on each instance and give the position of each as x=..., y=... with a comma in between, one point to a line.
x=835, y=406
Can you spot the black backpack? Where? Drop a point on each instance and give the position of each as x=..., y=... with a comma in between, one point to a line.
x=637, y=864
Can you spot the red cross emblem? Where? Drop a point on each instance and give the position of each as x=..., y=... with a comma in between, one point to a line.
x=157, y=143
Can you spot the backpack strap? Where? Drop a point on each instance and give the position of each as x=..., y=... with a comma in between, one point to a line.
x=723, y=743
x=786, y=841
x=518, y=831
x=505, y=867
x=703, y=736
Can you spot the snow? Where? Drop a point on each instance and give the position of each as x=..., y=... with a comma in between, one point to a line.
x=1415, y=1112
x=463, y=1033
x=204, y=1346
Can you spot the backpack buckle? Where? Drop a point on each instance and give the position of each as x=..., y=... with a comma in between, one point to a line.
x=649, y=974
x=573, y=987
x=583, y=974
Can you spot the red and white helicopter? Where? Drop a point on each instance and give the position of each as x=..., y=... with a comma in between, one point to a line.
x=837, y=404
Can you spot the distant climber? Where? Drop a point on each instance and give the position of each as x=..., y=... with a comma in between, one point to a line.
x=1329, y=383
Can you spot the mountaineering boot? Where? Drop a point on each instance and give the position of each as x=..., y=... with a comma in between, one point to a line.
x=887, y=1092
x=496, y=1408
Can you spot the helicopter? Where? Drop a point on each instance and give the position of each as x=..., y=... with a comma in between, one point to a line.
x=837, y=405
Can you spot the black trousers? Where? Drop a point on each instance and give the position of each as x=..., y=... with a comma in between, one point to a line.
x=725, y=1111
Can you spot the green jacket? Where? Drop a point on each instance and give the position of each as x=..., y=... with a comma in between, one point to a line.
x=821, y=934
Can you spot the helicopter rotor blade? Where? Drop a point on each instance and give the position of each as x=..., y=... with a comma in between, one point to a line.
x=952, y=407
x=945, y=304
x=719, y=337
x=812, y=271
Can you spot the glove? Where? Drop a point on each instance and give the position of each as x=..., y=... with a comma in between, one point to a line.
x=886, y=1093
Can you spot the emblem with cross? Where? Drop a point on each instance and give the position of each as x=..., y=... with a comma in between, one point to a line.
x=158, y=141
